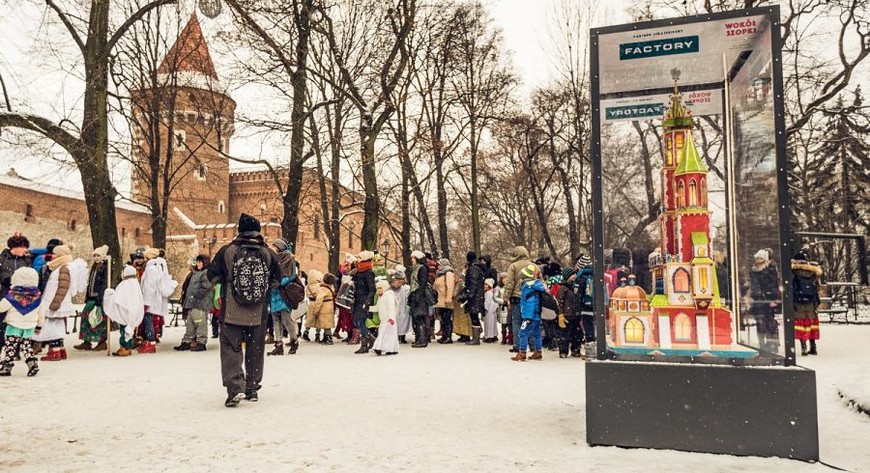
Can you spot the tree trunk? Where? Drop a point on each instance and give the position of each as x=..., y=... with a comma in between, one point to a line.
x=475, y=203
x=299, y=78
x=371, y=207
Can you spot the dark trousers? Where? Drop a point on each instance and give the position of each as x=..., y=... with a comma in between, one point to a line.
x=215, y=324
x=475, y=318
x=587, y=323
x=237, y=380
x=446, y=316
x=421, y=329
x=571, y=337
x=516, y=320
x=551, y=333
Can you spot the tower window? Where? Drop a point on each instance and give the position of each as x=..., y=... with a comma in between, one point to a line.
x=703, y=278
x=180, y=137
x=136, y=232
x=221, y=207
x=681, y=194
x=72, y=225
x=693, y=193
x=703, y=192
x=123, y=232
x=201, y=170
x=28, y=211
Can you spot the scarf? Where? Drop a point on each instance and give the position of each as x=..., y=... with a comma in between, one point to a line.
x=59, y=261
x=444, y=270
x=24, y=299
x=364, y=266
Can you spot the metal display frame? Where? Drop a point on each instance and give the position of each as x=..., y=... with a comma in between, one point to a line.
x=685, y=404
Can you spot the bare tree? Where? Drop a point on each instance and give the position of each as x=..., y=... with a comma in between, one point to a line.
x=88, y=144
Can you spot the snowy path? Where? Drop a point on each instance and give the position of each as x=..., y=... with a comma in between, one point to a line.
x=325, y=409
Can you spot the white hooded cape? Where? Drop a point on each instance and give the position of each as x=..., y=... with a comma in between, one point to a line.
x=388, y=334
x=124, y=304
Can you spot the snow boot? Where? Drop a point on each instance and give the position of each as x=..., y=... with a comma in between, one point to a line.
x=185, y=346
x=327, y=338
x=6, y=369
x=197, y=346
x=294, y=345
x=100, y=347
x=317, y=337
x=403, y=340
x=234, y=399
x=32, y=367
x=423, y=340
x=537, y=356
x=812, y=348
x=53, y=355
x=122, y=352
x=354, y=339
x=270, y=339
x=305, y=336
x=365, y=345
x=475, y=336
x=63, y=353
x=520, y=356
x=804, y=351
x=147, y=347
x=86, y=346
x=278, y=350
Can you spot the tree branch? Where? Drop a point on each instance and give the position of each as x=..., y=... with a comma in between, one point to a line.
x=65, y=19
x=133, y=19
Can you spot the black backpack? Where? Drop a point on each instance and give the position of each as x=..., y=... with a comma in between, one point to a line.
x=805, y=289
x=583, y=299
x=250, y=285
x=548, y=301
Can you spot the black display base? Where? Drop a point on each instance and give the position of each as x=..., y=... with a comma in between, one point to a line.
x=763, y=411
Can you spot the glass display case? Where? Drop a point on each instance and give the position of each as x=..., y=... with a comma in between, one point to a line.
x=690, y=201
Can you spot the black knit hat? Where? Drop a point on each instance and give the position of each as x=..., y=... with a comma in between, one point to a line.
x=248, y=223
x=471, y=257
x=800, y=256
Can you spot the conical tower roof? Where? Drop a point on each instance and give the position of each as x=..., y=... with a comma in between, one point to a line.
x=690, y=159
x=677, y=116
x=190, y=53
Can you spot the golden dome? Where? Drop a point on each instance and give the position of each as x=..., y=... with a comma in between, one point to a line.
x=630, y=293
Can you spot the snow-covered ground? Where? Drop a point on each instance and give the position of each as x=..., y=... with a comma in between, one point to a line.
x=442, y=408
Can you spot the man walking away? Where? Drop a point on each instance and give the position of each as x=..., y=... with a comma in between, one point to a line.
x=246, y=270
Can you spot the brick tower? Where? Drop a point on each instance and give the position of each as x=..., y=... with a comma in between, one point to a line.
x=192, y=132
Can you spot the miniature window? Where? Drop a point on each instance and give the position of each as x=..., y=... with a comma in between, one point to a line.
x=72, y=225
x=136, y=232
x=221, y=207
x=703, y=278
x=28, y=212
x=703, y=192
x=693, y=193
x=634, y=331
x=682, y=328
x=681, y=280
x=681, y=193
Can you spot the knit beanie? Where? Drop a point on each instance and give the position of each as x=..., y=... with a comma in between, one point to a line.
x=281, y=244
x=25, y=277
x=248, y=223
x=584, y=260
x=529, y=271
x=762, y=254
x=61, y=250
x=567, y=273
x=366, y=255
x=101, y=251
x=444, y=262
x=471, y=257
x=489, y=282
x=800, y=256
x=419, y=255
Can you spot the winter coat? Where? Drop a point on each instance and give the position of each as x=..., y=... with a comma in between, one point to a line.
x=8, y=264
x=97, y=282
x=474, y=277
x=289, y=269
x=57, y=298
x=530, y=299
x=364, y=292
x=154, y=280
x=513, y=281
x=764, y=284
x=221, y=271
x=806, y=310
x=565, y=296
x=199, y=293
x=321, y=311
x=34, y=318
x=417, y=297
x=445, y=285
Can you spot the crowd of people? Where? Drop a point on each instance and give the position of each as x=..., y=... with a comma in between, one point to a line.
x=253, y=295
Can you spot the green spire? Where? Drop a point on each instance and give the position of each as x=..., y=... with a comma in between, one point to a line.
x=689, y=159
x=677, y=116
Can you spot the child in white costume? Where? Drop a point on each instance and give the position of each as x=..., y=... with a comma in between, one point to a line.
x=387, y=342
x=125, y=306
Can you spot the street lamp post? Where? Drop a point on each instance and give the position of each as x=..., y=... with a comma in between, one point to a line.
x=385, y=249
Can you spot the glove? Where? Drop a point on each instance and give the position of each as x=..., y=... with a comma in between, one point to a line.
x=563, y=324
x=391, y=321
x=525, y=324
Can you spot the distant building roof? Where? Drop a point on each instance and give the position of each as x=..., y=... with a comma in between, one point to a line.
x=8, y=179
x=189, y=53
